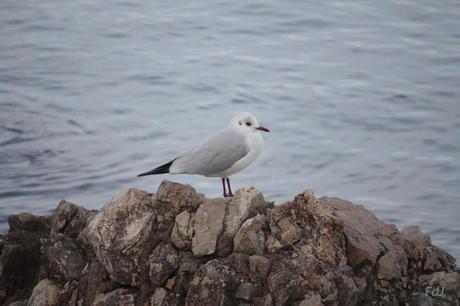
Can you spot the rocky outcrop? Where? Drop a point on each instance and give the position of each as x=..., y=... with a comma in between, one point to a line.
x=176, y=247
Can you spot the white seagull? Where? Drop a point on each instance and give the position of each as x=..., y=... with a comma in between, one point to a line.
x=223, y=155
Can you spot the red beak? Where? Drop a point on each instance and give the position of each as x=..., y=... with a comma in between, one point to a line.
x=262, y=128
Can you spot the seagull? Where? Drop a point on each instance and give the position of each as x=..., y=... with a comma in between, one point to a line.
x=223, y=155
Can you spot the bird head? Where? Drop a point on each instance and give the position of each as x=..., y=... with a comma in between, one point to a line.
x=247, y=122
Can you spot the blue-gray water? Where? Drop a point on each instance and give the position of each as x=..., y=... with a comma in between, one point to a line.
x=362, y=99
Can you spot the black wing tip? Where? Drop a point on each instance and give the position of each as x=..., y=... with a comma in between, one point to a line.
x=158, y=170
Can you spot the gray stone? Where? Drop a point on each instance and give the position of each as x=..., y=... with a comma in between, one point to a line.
x=208, y=226
x=244, y=202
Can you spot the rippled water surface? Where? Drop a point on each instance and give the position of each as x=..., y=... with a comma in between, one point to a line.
x=362, y=99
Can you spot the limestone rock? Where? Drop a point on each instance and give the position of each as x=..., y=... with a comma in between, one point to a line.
x=120, y=232
x=250, y=238
x=208, y=226
x=242, y=205
x=182, y=232
x=245, y=203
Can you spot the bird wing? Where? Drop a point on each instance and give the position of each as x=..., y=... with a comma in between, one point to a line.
x=214, y=156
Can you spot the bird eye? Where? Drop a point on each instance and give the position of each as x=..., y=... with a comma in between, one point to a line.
x=248, y=123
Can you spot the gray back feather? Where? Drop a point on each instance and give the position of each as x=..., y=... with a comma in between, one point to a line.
x=214, y=156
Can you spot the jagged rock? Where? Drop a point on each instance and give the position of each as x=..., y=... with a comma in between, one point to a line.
x=69, y=219
x=125, y=231
x=65, y=258
x=118, y=297
x=250, y=238
x=362, y=229
x=208, y=226
x=163, y=261
x=311, y=228
x=246, y=203
x=182, y=232
x=46, y=293
x=177, y=248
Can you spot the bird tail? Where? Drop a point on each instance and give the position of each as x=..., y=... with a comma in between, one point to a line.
x=158, y=170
